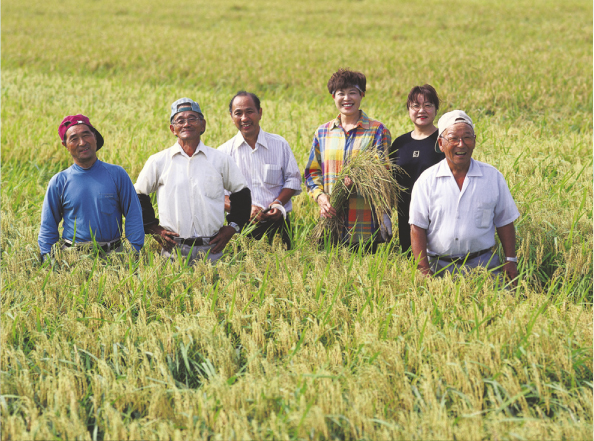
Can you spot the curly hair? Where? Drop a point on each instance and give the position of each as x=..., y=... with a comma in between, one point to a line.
x=345, y=78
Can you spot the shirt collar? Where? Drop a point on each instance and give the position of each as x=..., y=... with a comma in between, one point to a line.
x=78, y=167
x=474, y=169
x=238, y=140
x=177, y=149
x=363, y=122
x=443, y=169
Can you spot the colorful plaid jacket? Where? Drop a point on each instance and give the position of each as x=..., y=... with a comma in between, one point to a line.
x=331, y=147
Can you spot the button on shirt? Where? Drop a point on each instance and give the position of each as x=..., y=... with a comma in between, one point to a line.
x=268, y=168
x=190, y=190
x=457, y=221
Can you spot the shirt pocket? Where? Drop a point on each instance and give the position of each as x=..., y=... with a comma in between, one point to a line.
x=107, y=203
x=273, y=174
x=485, y=213
x=212, y=185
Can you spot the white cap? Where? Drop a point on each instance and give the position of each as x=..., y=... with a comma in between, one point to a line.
x=451, y=118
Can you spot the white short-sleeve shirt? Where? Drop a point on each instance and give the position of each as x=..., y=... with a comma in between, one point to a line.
x=190, y=190
x=457, y=221
x=268, y=168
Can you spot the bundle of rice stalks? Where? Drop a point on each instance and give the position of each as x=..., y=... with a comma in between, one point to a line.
x=371, y=180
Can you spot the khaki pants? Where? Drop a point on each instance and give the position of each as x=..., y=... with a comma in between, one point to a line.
x=196, y=252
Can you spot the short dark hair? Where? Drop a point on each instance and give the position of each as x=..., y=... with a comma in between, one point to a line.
x=427, y=91
x=345, y=78
x=244, y=93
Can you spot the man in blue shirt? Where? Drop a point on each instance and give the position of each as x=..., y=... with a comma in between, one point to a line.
x=90, y=196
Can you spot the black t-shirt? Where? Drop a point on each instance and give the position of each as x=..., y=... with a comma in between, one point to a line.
x=414, y=157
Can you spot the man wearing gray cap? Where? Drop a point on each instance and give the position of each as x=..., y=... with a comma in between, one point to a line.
x=458, y=204
x=189, y=179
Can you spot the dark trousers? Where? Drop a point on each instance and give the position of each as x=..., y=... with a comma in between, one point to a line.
x=403, y=225
x=281, y=226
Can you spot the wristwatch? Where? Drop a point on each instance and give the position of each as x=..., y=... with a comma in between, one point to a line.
x=279, y=202
x=511, y=259
x=234, y=225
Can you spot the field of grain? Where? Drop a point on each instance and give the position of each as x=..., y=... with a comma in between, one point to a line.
x=306, y=344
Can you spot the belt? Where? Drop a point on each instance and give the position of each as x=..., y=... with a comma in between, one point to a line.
x=469, y=256
x=106, y=247
x=193, y=241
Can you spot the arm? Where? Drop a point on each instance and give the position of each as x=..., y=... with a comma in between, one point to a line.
x=507, y=236
x=275, y=214
x=314, y=180
x=132, y=211
x=146, y=184
x=151, y=224
x=382, y=143
x=418, y=238
x=51, y=216
x=241, y=203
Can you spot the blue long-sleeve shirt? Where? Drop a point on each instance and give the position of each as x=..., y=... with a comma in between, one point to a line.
x=94, y=200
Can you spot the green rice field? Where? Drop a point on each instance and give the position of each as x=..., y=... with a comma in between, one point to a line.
x=309, y=343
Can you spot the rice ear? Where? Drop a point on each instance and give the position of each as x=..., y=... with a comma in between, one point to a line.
x=373, y=179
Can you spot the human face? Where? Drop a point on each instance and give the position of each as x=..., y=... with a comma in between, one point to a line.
x=422, y=112
x=458, y=154
x=187, y=131
x=81, y=144
x=348, y=101
x=246, y=117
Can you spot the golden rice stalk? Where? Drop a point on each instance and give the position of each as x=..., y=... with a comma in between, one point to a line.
x=372, y=180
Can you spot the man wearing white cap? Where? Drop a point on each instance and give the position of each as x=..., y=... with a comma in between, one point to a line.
x=458, y=204
x=189, y=179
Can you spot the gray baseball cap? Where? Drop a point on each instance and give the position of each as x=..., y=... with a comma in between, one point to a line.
x=191, y=105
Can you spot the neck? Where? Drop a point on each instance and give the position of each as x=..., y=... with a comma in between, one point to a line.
x=350, y=120
x=189, y=146
x=86, y=164
x=251, y=140
x=459, y=172
x=423, y=132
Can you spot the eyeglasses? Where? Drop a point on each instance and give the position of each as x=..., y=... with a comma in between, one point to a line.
x=182, y=121
x=426, y=106
x=466, y=139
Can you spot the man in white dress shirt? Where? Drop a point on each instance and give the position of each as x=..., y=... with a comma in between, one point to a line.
x=458, y=204
x=189, y=179
x=268, y=164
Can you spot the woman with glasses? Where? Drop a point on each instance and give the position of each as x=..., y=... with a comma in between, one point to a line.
x=414, y=152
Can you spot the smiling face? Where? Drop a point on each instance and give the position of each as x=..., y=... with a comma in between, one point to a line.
x=458, y=154
x=188, y=126
x=422, y=112
x=348, y=101
x=81, y=144
x=246, y=116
